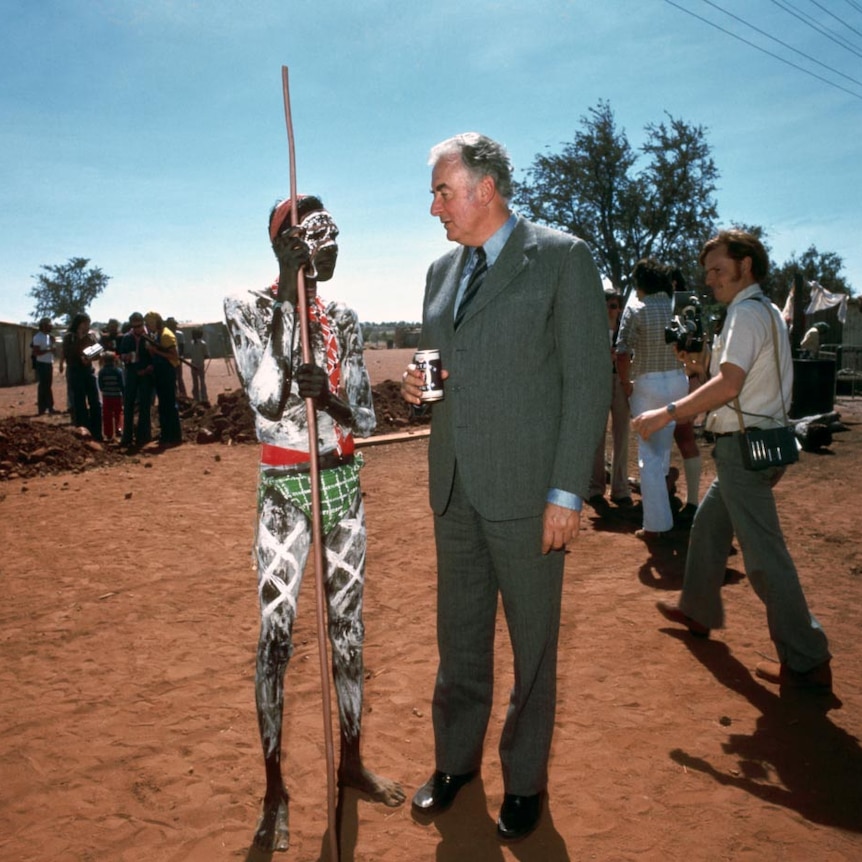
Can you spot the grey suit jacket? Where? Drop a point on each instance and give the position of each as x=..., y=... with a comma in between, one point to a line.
x=529, y=385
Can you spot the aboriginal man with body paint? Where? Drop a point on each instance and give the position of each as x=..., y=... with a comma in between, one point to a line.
x=265, y=336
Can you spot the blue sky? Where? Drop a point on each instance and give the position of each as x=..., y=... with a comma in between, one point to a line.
x=150, y=136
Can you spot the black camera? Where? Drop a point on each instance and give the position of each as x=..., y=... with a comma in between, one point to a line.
x=685, y=331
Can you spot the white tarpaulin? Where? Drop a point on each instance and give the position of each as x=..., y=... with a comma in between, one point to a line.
x=822, y=299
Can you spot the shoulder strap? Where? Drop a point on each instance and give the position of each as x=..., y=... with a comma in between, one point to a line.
x=735, y=402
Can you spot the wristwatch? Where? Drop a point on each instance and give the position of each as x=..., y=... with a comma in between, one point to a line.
x=671, y=408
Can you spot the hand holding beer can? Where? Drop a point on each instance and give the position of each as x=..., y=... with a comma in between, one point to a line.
x=428, y=362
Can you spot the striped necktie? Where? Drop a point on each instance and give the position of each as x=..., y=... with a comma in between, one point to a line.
x=473, y=285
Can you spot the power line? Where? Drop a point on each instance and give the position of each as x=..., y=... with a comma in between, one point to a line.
x=839, y=20
x=806, y=19
x=783, y=44
x=764, y=51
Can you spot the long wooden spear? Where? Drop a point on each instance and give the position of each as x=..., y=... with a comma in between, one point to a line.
x=317, y=521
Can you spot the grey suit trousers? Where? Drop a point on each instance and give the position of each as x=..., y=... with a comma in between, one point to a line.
x=740, y=502
x=477, y=560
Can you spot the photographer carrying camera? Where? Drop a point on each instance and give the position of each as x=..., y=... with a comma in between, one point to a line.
x=651, y=376
x=751, y=384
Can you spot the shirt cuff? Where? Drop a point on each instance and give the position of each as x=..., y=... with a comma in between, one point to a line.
x=565, y=499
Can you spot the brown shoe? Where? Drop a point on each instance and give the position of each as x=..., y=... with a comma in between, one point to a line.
x=653, y=536
x=675, y=615
x=819, y=678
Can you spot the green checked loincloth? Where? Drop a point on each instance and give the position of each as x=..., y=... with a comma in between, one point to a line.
x=338, y=489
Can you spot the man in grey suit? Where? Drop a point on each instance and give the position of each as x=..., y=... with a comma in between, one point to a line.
x=518, y=315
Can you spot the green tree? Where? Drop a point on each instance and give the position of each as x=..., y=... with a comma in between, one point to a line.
x=65, y=289
x=592, y=188
x=813, y=265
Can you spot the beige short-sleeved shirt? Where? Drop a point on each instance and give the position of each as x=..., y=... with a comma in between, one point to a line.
x=746, y=340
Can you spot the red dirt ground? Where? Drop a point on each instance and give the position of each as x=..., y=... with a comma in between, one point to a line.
x=127, y=639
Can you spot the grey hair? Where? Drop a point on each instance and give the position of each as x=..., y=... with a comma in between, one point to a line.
x=482, y=156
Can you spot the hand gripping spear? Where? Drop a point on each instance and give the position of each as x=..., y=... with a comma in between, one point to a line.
x=316, y=526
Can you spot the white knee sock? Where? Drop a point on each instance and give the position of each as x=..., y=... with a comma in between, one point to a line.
x=692, y=468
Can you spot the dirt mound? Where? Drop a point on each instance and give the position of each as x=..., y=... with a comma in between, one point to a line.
x=231, y=419
x=38, y=447
x=393, y=414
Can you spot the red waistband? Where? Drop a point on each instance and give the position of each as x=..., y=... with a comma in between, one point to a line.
x=279, y=456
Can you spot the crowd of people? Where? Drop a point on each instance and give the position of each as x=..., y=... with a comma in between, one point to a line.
x=115, y=376
x=515, y=451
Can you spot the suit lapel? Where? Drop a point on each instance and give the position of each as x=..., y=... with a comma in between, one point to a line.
x=445, y=286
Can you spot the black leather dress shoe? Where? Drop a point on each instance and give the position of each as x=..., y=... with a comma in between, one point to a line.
x=439, y=792
x=519, y=816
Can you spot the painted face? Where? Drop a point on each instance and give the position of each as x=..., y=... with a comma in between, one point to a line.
x=320, y=232
x=456, y=203
x=725, y=276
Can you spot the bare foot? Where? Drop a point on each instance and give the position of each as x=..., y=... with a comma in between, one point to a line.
x=272, y=831
x=379, y=789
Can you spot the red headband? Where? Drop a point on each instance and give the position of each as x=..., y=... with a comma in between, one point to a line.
x=282, y=215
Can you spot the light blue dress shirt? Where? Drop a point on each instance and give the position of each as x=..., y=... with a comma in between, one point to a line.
x=493, y=247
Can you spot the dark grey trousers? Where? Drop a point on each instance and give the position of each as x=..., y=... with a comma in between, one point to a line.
x=477, y=561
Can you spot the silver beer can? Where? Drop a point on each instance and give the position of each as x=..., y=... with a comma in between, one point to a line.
x=428, y=362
